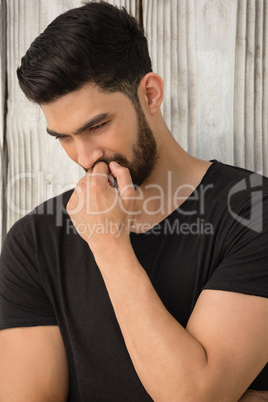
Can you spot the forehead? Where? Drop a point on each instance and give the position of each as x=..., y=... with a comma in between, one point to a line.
x=67, y=113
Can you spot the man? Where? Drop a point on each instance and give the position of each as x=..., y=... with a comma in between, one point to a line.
x=149, y=280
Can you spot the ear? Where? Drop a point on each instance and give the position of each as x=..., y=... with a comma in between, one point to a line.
x=151, y=91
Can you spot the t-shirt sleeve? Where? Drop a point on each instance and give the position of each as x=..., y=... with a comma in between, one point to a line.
x=23, y=300
x=244, y=264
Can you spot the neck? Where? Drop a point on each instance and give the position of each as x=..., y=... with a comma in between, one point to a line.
x=175, y=176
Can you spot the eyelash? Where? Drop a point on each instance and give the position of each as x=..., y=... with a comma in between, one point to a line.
x=60, y=137
x=94, y=128
x=99, y=126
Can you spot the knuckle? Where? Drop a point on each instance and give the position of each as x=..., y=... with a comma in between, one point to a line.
x=81, y=186
x=125, y=169
x=128, y=191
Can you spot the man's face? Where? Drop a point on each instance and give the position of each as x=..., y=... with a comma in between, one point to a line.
x=93, y=126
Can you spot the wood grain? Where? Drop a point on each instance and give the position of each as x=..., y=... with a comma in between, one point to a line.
x=213, y=57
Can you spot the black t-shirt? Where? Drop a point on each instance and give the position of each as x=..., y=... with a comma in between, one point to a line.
x=217, y=239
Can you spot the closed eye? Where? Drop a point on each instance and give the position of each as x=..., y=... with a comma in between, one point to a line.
x=98, y=127
x=61, y=137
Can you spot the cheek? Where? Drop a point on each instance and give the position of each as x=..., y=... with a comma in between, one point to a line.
x=70, y=150
x=122, y=140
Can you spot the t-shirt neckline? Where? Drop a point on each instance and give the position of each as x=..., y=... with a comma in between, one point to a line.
x=187, y=203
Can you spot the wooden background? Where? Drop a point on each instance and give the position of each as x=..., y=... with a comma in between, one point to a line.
x=213, y=57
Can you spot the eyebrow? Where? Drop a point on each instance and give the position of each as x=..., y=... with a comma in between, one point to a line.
x=93, y=122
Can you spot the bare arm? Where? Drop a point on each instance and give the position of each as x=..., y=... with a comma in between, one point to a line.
x=254, y=396
x=33, y=365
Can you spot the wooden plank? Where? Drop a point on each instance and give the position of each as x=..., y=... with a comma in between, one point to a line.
x=239, y=90
x=251, y=86
x=38, y=167
x=193, y=48
x=166, y=26
x=265, y=91
x=258, y=84
x=216, y=47
x=3, y=159
x=1, y=121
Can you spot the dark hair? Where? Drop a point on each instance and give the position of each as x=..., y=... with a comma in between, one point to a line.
x=96, y=43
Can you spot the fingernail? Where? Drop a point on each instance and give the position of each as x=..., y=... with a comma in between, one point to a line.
x=114, y=164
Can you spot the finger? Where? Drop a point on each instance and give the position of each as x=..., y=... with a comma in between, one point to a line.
x=100, y=167
x=124, y=181
x=99, y=174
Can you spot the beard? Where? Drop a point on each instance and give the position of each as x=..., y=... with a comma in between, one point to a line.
x=144, y=152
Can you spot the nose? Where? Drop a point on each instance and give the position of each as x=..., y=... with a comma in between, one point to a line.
x=87, y=154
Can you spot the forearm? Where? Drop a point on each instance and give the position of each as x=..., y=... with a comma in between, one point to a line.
x=168, y=360
x=254, y=396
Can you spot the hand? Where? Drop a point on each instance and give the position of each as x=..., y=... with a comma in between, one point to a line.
x=254, y=396
x=101, y=214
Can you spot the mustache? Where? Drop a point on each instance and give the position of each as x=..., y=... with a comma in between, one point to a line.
x=116, y=158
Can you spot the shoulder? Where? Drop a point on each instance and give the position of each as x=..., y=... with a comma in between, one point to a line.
x=52, y=209
x=46, y=219
x=233, y=189
x=238, y=211
x=224, y=177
